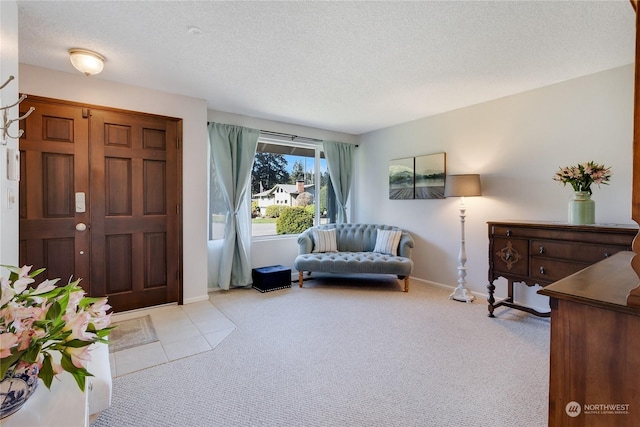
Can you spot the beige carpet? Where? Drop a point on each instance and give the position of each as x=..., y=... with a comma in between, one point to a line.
x=132, y=333
x=348, y=353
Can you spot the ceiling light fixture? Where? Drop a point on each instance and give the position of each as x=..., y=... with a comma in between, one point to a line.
x=86, y=61
x=195, y=31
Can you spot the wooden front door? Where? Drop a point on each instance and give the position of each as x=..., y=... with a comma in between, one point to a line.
x=124, y=240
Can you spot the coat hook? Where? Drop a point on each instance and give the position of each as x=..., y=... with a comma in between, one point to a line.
x=7, y=135
x=7, y=123
x=7, y=82
x=24, y=116
x=22, y=98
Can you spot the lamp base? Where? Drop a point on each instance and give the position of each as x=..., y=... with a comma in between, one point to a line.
x=462, y=294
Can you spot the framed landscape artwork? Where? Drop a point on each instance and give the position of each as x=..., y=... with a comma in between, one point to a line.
x=419, y=177
x=401, y=175
x=429, y=176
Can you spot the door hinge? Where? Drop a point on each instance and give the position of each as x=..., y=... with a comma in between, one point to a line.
x=85, y=113
x=177, y=274
x=178, y=143
x=178, y=209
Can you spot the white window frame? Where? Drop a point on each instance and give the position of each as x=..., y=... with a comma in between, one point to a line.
x=317, y=147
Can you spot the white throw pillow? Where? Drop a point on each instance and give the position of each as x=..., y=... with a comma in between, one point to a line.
x=325, y=241
x=387, y=242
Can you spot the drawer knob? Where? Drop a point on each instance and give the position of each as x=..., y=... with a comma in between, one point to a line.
x=541, y=250
x=508, y=233
x=606, y=254
x=509, y=255
x=542, y=270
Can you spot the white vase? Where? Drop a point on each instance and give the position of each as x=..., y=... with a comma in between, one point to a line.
x=16, y=387
x=582, y=210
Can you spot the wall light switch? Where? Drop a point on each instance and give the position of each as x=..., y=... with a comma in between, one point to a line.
x=13, y=164
x=11, y=199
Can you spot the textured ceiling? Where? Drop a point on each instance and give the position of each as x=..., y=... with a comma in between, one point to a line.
x=345, y=66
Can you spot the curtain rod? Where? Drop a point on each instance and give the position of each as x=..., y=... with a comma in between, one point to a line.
x=292, y=137
x=288, y=135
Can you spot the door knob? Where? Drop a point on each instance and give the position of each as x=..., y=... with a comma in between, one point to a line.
x=81, y=226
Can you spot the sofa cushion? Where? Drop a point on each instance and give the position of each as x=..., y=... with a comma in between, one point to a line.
x=354, y=262
x=387, y=242
x=325, y=241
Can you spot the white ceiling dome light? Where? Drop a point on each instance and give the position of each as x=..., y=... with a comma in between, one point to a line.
x=86, y=61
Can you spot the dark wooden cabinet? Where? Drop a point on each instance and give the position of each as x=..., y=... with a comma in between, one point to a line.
x=595, y=351
x=540, y=253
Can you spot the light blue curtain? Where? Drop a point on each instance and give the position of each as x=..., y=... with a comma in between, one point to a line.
x=340, y=164
x=233, y=149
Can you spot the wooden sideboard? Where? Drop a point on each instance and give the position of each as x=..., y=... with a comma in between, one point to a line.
x=540, y=253
x=595, y=351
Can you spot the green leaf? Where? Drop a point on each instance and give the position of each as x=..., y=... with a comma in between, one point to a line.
x=104, y=332
x=87, y=301
x=44, y=324
x=64, y=301
x=78, y=373
x=46, y=372
x=54, y=311
x=6, y=363
x=31, y=355
x=80, y=377
x=53, y=293
x=77, y=343
x=38, y=271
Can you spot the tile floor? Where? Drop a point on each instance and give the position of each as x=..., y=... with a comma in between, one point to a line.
x=182, y=330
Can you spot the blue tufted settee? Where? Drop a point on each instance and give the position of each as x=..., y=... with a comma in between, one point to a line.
x=355, y=252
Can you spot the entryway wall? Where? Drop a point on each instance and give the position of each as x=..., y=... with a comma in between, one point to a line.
x=8, y=95
x=193, y=112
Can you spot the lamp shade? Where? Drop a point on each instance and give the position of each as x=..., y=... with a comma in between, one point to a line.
x=86, y=61
x=462, y=185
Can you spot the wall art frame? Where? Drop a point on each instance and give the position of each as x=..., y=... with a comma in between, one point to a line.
x=402, y=179
x=420, y=177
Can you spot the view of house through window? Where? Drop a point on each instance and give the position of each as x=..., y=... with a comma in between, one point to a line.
x=290, y=190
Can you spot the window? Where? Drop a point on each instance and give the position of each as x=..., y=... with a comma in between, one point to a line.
x=288, y=175
x=285, y=174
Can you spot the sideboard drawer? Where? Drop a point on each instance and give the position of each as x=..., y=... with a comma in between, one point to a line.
x=511, y=256
x=574, y=251
x=550, y=270
x=502, y=231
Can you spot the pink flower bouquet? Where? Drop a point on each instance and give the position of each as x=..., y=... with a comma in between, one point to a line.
x=36, y=322
x=583, y=175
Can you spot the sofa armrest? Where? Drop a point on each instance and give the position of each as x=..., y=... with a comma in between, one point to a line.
x=405, y=245
x=305, y=243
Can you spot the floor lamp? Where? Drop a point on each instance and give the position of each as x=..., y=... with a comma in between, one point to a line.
x=462, y=186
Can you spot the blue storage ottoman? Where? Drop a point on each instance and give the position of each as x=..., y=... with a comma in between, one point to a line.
x=271, y=278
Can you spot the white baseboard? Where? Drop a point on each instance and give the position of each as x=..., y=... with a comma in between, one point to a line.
x=196, y=299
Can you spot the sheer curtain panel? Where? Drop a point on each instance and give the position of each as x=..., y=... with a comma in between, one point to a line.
x=232, y=152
